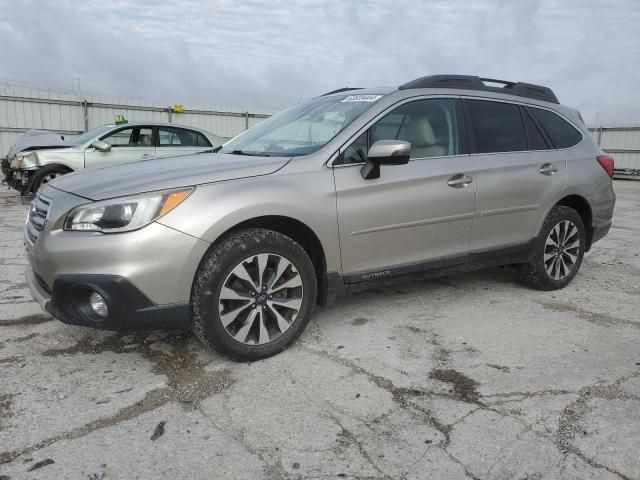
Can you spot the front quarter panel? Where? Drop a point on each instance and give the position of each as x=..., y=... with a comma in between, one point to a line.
x=69, y=157
x=307, y=196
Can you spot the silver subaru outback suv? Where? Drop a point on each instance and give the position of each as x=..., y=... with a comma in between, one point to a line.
x=444, y=173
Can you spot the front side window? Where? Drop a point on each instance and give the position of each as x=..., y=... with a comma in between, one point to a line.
x=431, y=126
x=303, y=129
x=130, y=137
x=497, y=126
x=561, y=132
x=357, y=151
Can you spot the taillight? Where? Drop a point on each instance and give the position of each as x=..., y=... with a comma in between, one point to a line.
x=606, y=162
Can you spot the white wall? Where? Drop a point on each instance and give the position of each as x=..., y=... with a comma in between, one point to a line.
x=623, y=142
x=24, y=109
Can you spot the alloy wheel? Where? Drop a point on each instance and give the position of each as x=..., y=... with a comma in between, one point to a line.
x=561, y=249
x=260, y=298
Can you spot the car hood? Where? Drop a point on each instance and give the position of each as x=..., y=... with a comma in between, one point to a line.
x=165, y=173
x=36, y=140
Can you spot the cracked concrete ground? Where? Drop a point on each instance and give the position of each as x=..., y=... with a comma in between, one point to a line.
x=467, y=376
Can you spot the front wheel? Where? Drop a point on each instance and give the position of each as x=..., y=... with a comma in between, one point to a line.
x=558, y=250
x=253, y=294
x=46, y=174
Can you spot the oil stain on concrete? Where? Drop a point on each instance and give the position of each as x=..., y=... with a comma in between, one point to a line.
x=464, y=388
x=188, y=383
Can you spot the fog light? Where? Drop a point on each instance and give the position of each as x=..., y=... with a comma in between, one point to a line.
x=98, y=305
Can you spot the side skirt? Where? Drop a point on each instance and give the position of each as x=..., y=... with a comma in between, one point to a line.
x=450, y=265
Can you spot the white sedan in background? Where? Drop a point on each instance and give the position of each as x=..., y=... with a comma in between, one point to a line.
x=104, y=146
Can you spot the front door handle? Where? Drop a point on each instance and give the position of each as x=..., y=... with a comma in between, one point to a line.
x=145, y=155
x=548, y=169
x=459, y=181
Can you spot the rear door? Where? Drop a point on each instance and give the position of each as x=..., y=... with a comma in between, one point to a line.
x=128, y=144
x=413, y=213
x=518, y=173
x=174, y=141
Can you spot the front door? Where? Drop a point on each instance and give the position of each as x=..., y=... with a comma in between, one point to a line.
x=413, y=213
x=128, y=144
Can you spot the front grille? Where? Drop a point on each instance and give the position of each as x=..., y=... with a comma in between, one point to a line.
x=38, y=214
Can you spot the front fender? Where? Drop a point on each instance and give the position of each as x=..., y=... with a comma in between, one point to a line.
x=308, y=197
x=71, y=159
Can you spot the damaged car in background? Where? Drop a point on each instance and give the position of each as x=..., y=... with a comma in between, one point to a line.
x=27, y=142
x=37, y=157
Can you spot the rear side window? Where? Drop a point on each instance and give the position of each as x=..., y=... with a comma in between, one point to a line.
x=497, y=127
x=535, y=139
x=178, y=137
x=561, y=132
x=202, y=140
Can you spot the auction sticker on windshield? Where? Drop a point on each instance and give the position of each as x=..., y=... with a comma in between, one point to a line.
x=361, y=98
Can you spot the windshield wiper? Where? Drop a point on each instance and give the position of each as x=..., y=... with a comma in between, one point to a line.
x=249, y=154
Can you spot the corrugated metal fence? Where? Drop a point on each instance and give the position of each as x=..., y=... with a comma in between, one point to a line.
x=68, y=114
x=623, y=142
x=24, y=109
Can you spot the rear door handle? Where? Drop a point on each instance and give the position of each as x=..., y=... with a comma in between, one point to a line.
x=145, y=155
x=548, y=169
x=459, y=181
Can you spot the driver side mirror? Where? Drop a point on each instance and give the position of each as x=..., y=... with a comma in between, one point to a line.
x=385, y=152
x=101, y=146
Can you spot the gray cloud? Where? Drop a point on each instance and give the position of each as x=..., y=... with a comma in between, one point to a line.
x=270, y=54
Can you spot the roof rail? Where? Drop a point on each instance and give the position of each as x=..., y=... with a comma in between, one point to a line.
x=472, y=82
x=345, y=89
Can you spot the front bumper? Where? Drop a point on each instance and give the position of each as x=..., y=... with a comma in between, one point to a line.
x=9, y=174
x=19, y=180
x=145, y=275
x=128, y=308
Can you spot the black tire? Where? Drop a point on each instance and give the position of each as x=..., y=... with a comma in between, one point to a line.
x=535, y=274
x=215, y=269
x=44, y=174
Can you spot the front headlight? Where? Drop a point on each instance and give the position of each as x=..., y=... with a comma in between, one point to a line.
x=124, y=214
x=28, y=159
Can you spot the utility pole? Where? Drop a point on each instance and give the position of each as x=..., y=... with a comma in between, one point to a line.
x=84, y=106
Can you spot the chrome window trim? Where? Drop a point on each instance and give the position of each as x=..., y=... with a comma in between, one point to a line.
x=457, y=155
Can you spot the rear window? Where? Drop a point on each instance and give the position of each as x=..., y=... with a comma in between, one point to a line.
x=497, y=127
x=561, y=132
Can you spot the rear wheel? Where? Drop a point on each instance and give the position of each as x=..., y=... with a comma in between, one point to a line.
x=558, y=251
x=253, y=294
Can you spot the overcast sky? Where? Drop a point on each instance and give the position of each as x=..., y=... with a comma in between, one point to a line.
x=274, y=53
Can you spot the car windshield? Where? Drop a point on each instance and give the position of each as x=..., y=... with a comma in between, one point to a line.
x=302, y=129
x=85, y=137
